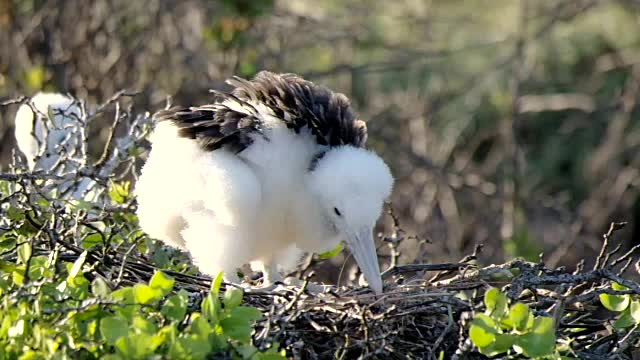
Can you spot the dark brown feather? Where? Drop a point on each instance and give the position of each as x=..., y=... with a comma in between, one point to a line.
x=297, y=102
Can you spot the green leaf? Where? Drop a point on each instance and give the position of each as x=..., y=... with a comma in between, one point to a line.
x=5, y=187
x=634, y=310
x=168, y=333
x=38, y=268
x=519, y=316
x=332, y=253
x=100, y=288
x=43, y=203
x=7, y=266
x=502, y=344
x=540, y=341
x=197, y=346
x=625, y=320
x=175, y=307
x=112, y=328
x=483, y=330
x=236, y=329
x=125, y=297
x=136, y=346
x=145, y=294
x=119, y=192
x=141, y=325
x=618, y=287
x=216, y=283
x=615, y=302
x=238, y=325
x=246, y=313
x=496, y=303
x=7, y=242
x=232, y=298
x=112, y=357
x=247, y=351
x=24, y=251
x=18, y=275
x=91, y=240
x=162, y=282
x=15, y=214
x=263, y=356
x=78, y=287
x=211, y=308
x=77, y=265
x=200, y=326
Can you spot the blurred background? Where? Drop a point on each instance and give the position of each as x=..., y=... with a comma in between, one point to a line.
x=511, y=123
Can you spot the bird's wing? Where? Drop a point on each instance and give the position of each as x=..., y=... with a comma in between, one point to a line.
x=215, y=126
x=300, y=103
x=179, y=180
x=231, y=189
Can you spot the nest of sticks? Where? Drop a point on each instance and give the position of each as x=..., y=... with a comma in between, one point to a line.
x=420, y=317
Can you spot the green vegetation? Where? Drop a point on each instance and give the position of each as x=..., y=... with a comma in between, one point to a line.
x=55, y=308
x=502, y=329
x=627, y=305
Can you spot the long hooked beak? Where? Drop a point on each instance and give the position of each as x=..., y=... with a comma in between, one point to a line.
x=364, y=250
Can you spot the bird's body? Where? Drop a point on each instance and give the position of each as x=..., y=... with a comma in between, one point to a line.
x=48, y=134
x=241, y=181
x=229, y=195
x=40, y=133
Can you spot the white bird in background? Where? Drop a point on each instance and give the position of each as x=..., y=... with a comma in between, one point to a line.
x=274, y=168
x=49, y=136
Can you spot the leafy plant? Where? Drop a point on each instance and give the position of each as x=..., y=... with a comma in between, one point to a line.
x=72, y=317
x=119, y=192
x=628, y=306
x=55, y=305
x=501, y=329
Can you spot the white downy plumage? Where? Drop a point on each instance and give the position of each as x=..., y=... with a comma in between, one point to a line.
x=268, y=196
x=50, y=134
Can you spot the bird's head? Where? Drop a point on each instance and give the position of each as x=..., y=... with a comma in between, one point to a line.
x=351, y=185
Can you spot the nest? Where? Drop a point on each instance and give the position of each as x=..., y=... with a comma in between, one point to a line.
x=420, y=317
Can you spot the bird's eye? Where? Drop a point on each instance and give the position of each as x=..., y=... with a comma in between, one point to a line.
x=335, y=210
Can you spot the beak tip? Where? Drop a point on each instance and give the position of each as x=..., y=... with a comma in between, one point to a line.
x=377, y=289
x=364, y=252
x=375, y=284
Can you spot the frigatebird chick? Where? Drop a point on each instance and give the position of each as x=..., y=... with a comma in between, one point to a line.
x=48, y=133
x=272, y=169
